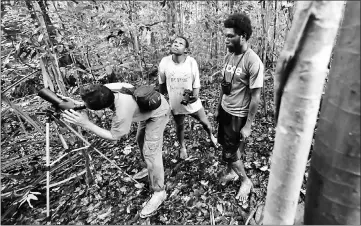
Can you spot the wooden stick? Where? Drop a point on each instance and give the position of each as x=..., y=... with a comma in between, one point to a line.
x=66, y=180
x=101, y=154
x=47, y=147
x=61, y=157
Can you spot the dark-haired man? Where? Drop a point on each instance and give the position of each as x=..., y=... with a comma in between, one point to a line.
x=177, y=73
x=239, y=97
x=149, y=135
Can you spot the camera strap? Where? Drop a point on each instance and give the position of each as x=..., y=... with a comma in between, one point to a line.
x=224, y=73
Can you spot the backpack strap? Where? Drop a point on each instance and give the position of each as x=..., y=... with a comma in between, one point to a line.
x=128, y=91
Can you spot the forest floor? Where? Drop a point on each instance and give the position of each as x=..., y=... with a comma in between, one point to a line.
x=195, y=195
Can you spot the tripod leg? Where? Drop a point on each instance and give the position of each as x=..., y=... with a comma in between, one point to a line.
x=47, y=150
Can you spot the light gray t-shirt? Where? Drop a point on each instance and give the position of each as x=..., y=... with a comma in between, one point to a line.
x=248, y=74
x=127, y=110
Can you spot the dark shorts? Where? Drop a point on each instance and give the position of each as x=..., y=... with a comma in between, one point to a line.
x=229, y=135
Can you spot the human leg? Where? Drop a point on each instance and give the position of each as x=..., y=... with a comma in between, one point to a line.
x=179, y=123
x=140, y=141
x=201, y=117
x=230, y=138
x=152, y=151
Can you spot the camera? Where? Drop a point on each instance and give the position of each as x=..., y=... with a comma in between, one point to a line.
x=188, y=97
x=58, y=103
x=226, y=87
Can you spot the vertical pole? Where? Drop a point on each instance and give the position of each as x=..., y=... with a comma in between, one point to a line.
x=47, y=147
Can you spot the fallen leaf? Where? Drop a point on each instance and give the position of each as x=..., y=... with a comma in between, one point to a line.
x=264, y=168
x=139, y=186
x=220, y=208
x=127, y=150
x=104, y=215
x=205, y=183
x=123, y=189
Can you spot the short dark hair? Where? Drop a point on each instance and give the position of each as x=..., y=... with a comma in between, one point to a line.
x=241, y=24
x=182, y=37
x=97, y=96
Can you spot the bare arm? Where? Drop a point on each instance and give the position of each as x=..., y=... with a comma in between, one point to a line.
x=196, y=92
x=220, y=98
x=103, y=133
x=81, y=119
x=255, y=98
x=163, y=88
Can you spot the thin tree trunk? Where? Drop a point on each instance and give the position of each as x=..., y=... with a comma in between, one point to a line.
x=264, y=50
x=333, y=187
x=299, y=81
x=274, y=32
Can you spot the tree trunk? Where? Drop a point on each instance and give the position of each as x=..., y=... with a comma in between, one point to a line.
x=274, y=33
x=300, y=77
x=333, y=188
x=264, y=49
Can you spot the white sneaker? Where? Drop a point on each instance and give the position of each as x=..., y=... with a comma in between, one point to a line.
x=152, y=205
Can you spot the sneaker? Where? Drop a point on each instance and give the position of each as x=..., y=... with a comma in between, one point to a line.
x=141, y=174
x=230, y=176
x=152, y=205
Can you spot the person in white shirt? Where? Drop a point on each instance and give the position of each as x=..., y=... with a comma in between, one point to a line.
x=179, y=72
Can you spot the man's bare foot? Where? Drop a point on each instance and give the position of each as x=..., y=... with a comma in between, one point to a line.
x=214, y=141
x=229, y=176
x=244, y=190
x=183, y=153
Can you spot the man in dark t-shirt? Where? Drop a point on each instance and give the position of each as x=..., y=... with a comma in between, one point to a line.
x=239, y=97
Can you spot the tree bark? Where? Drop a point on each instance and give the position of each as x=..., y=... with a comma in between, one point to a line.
x=274, y=32
x=299, y=80
x=264, y=50
x=333, y=188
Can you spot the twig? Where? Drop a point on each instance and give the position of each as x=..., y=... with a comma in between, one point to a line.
x=101, y=154
x=211, y=215
x=252, y=213
x=66, y=180
x=19, y=81
x=61, y=157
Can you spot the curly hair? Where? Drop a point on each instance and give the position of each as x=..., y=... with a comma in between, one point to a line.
x=97, y=96
x=241, y=24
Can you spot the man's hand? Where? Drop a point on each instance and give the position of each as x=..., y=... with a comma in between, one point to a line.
x=245, y=132
x=70, y=99
x=79, y=119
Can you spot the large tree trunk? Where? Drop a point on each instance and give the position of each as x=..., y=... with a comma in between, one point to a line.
x=333, y=188
x=300, y=77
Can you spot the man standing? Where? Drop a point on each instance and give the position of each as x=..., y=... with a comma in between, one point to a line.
x=239, y=97
x=149, y=135
x=178, y=73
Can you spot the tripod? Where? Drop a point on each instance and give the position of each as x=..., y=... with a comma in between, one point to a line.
x=54, y=116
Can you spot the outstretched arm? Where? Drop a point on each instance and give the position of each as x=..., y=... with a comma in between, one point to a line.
x=81, y=119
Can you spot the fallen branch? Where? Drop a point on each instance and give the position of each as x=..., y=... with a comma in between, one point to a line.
x=19, y=81
x=66, y=180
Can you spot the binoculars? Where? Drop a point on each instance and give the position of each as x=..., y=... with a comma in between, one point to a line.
x=188, y=97
x=58, y=103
